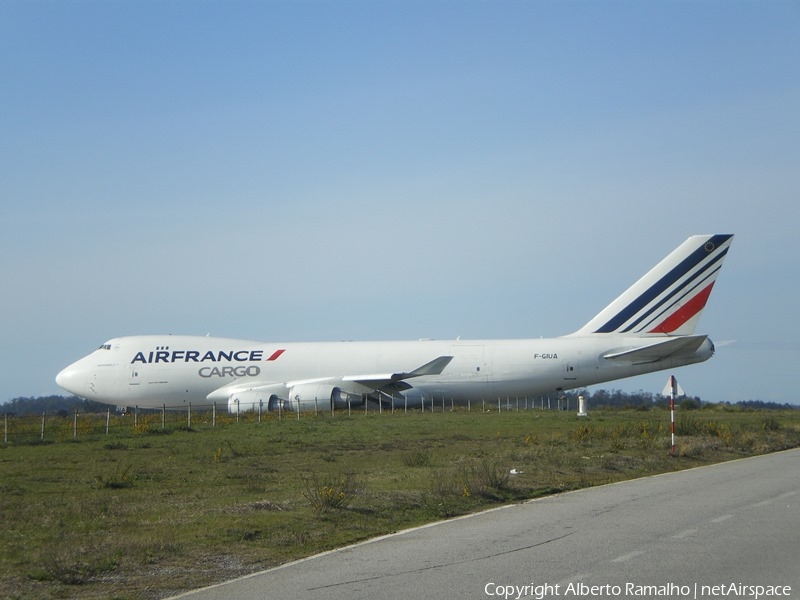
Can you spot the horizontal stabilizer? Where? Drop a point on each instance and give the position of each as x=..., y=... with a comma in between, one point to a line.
x=678, y=347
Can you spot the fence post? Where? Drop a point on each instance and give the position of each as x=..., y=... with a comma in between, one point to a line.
x=108, y=419
x=163, y=416
x=42, y=426
x=214, y=414
x=75, y=426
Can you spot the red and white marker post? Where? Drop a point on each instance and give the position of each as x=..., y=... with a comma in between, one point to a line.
x=674, y=390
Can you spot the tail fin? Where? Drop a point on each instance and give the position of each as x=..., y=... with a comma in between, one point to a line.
x=671, y=296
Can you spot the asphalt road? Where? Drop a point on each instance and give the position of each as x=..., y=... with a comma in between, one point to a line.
x=713, y=532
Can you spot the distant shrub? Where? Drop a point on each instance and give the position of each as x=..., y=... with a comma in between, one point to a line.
x=118, y=480
x=75, y=565
x=582, y=433
x=330, y=493
x=485, y=478
x=416, y=458
x=687, y=425
x=447, y=495
x=115, y=446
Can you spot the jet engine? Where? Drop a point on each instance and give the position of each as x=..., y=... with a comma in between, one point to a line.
x=321, y=396
x=261, y=399
x=300, y=397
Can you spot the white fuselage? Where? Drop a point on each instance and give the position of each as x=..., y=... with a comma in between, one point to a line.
x=156, y=371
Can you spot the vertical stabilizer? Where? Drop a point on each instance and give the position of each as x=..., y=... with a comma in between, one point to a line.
x=671, y=296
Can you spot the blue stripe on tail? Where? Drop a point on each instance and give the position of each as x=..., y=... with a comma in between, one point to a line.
x=658, y=288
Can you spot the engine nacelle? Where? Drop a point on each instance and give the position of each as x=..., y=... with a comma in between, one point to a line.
x=343, y=399
x=262, y=399
x=321, y=396
x=301, y=397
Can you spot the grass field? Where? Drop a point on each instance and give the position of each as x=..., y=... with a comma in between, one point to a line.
x=147, y=512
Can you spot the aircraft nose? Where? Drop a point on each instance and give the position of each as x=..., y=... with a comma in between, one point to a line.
x=71, y=379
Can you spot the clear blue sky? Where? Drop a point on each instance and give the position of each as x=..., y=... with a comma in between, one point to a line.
x=291, y=171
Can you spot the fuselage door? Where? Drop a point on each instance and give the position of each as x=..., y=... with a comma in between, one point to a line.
x=570, y=371
x=472, y=362
x=134, y=378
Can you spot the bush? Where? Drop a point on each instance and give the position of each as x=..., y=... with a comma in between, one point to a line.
x=418, y=458
x=331, y=493
x=118, y=480
x=447, y=495
x=485, y=478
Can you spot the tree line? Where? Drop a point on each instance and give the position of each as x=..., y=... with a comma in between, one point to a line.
x=644, y=400
x=60, y=405
x=67, y=405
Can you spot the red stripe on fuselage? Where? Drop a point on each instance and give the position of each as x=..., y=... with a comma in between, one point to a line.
x=684, y=313
x=276, y=354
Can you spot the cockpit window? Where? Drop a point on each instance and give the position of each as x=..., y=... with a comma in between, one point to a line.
x=105, y=347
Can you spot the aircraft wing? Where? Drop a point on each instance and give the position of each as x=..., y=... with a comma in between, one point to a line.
x=356, y=384
x=674, y=347
x=379, y=380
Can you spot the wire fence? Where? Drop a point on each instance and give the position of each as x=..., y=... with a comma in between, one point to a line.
x=62, y=426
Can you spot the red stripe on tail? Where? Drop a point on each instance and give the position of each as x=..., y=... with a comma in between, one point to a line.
x=685, y=312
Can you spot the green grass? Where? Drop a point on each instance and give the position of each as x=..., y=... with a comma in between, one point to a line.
x=145, y=512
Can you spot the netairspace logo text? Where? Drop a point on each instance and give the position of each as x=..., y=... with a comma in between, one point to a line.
x=668, y=590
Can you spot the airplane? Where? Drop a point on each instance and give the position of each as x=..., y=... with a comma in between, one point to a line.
x=649, y=327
